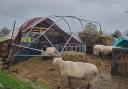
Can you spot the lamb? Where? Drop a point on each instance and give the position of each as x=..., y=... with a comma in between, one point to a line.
x=97, y=50
x=77, y=70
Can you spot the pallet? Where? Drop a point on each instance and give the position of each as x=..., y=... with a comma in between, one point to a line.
x=119, y=61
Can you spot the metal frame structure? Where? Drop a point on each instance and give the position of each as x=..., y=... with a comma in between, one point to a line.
x=59, y=18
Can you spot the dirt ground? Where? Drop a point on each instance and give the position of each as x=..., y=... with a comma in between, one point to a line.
x=41, y=70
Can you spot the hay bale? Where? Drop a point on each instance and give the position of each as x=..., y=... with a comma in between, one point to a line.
x=74, y=56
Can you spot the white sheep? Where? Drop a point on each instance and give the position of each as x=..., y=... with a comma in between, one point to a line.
x=51, y=51
x=97, y=49
x=106, y=51
x=77, y=70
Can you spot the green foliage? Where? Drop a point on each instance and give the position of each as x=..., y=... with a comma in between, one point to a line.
x=2, y=39
x=1, y=35
x=10, y=82
x=5, y=31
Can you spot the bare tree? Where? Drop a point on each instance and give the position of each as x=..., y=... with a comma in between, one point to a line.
x=117, y=33
x=90, y=27
x=5, y=31
x=89, y=36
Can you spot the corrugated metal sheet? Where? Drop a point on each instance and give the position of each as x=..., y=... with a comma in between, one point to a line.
x=121, y=42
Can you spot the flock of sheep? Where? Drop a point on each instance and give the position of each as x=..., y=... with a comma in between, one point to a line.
x=98, y=50
x=81, y=70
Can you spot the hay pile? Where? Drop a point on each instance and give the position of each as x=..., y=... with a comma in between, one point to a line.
x=105, y=40
x=91, y=39
x=74, y=56
x=38, y=70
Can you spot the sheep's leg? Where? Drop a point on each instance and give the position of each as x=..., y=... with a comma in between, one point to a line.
x=110, y=55
x=88, y=86
x=69, y=82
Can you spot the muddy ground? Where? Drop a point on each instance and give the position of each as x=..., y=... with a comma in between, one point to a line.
x=43, y=71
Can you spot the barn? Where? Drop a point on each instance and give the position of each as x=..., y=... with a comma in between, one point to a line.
x=36, y=34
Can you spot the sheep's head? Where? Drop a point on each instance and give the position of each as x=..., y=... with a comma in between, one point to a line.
x=56, y=61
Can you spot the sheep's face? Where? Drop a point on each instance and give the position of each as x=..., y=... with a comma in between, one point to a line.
x=56, y=61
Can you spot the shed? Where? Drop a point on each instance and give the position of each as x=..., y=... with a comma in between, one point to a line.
x=38, y=33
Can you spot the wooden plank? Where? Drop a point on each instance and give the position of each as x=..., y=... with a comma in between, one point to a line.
x=120, y=61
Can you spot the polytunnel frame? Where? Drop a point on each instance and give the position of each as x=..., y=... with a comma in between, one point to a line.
x=47, y=29
x=80, y=20
x=43, y=33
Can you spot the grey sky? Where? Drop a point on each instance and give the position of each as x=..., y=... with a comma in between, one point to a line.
x=110, y=13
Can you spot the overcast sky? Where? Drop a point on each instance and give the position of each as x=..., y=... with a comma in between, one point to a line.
x=110, y=13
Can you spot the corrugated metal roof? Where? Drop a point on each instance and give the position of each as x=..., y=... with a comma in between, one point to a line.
x=40, y=20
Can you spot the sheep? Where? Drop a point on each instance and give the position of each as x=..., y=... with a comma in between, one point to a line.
x=51, y=50
x=97, y=49
x=77, y=70
x=106, y=51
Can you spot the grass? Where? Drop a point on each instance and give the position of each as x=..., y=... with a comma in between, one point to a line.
x=2, y=39
x=8, y=81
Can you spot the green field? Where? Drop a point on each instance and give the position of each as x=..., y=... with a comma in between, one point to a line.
x=8, y=81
